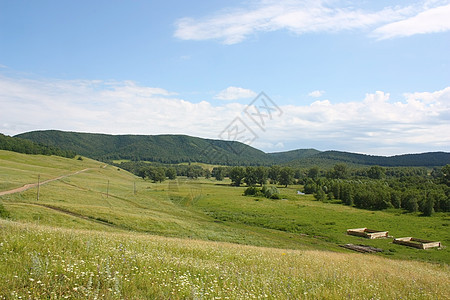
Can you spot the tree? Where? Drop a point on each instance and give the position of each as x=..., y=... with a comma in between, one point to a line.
x=313, y=173
x=347, y=194
x=376, y=172
x=310, y=186
x=440, y=200
x=339, y=171
x=250, y=176
x=320, y=194
x=446, y=175
x=286, y=176
x=171, y=173
x=410, y=201
x=273, y=174
x=194, y=172
x=157, y=174
x=396, y=200
x=218, y=173
x=236, y=175
x=429, y=206
x=261, y=174
x=142, y=172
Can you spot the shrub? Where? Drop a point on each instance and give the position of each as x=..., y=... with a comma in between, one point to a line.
x=268, y=192
x=271, y=192
x=251, y=191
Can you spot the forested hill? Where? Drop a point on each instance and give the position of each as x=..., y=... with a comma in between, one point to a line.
x=155, y=148
x=28, y=147
x=183, y=148
x=330, y=158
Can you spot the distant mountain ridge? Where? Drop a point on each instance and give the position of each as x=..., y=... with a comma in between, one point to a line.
x=428, y=159
x=183, y=148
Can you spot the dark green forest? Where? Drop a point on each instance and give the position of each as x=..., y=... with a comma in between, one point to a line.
x=378, y=188
x=168, y=149
x=28, y=147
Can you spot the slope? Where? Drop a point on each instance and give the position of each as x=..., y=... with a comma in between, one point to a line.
x=111, y=199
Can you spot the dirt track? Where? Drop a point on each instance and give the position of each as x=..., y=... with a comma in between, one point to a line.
x=32, y=185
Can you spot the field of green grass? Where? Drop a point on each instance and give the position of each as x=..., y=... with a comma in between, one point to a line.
x=59, y=263
x=108, y=232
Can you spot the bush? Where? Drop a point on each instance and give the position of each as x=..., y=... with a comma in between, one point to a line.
x=251, y=191
x=271, y=192
x=268, y=192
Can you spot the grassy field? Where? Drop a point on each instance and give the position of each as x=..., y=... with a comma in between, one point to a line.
x=59, y=263
x=96, y=233
x=19, y=169
x=324, y=224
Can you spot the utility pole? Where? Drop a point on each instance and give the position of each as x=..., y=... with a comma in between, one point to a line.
x=39, y=179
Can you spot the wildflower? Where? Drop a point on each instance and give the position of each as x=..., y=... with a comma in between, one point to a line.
x=31, y=279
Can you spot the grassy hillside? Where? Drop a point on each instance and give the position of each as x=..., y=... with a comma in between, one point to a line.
x=81, y=201
x=105, y=233
x=59, y=263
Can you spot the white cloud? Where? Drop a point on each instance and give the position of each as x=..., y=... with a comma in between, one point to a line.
x=316, y=94
x=234, y=93
x=435, y=19
x=418, y=123
x=108, y=107
x=376, y=124
x=233, y=26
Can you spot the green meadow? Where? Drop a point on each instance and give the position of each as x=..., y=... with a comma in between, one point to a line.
x=106, y=233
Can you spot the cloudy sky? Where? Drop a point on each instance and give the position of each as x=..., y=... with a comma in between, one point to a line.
x=361, y=76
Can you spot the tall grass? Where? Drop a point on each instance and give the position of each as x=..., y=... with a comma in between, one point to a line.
x=49, y=263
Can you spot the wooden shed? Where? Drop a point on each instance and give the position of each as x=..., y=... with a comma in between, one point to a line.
x=367, y=233
x=416, y=243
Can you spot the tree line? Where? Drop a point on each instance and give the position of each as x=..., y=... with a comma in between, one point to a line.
x=415, y=189
x=418, y=192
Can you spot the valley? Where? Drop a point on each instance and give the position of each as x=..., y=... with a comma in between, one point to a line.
x=205, y=226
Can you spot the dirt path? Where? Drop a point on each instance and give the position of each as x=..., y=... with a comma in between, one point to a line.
x=32, y=185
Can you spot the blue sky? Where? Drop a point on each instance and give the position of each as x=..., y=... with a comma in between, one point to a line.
x=361, y=76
